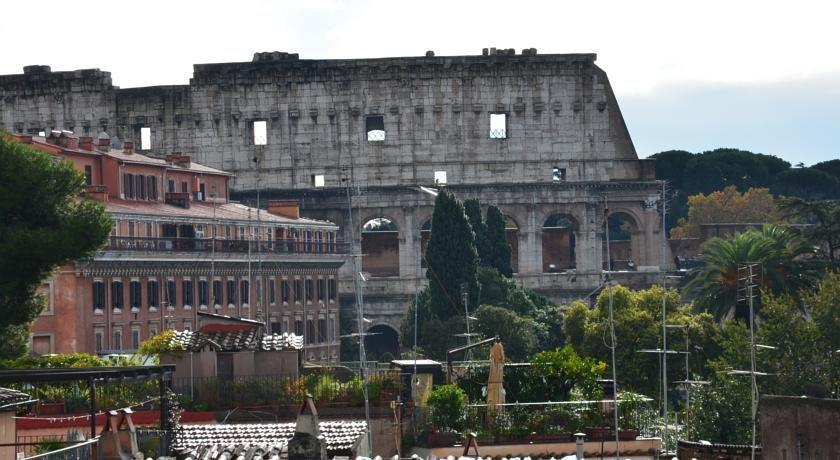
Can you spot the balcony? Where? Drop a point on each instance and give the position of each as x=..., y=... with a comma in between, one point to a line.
x=205, y=245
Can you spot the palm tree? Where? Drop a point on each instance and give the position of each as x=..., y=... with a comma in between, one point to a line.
x=784, y=266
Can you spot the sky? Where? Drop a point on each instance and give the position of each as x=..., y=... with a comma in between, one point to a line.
x=757, y=75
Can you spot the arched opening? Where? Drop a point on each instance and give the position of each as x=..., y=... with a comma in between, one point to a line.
x=512, y=236
x=425, y=234
x=380, y=247
x=383, y=344
x=558, y=243
x=621, y=228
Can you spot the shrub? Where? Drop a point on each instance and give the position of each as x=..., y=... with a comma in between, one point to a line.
x=447, y=403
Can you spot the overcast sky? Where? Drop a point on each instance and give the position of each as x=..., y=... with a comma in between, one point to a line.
x=757, y=75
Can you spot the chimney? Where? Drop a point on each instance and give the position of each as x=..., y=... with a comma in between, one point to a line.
x=104, y=144
x=128, y=147
x=67, y=140
x=284, y=208
x=179, y=159
x=86, y=143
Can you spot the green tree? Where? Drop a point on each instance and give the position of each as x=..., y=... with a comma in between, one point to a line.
x=823, y=218
x=517, y=334
x=551, y=369
x=495, y=239
x=807, y=183
x=43, y=223
x=451, y=258
x=776, y=251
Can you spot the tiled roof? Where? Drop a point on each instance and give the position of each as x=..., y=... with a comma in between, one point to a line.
x=204, y=210
x=265, y=441
x=10, y=398
x=240, y=340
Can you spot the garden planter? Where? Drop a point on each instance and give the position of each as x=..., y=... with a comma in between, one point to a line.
x=628, y=434
x=442, y=439
x=53, y=408
x=599, y=433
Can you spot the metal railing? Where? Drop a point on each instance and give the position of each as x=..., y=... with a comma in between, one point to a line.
x=544, y=421
x=176, y=244
x=81, y=451
x=214, y=393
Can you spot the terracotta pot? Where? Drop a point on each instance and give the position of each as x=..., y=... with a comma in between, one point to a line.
x=628, y=434
x=599, y=433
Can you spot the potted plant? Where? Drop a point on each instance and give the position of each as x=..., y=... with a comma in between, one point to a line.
x=629, y=405
x=446, y=405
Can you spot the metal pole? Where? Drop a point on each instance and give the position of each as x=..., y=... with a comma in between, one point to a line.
x=359, y=316
x=752, y=359
x=92, y=389
x=612, y=326
x=664, y=329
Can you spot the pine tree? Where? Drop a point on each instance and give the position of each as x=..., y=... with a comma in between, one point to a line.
x=451, y=257
x=498, y=249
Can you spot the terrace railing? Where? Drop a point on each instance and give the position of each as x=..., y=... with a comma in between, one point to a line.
x=206, y=245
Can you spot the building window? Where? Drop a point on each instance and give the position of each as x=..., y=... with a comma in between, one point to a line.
x=171, y=293
x=41, y=345
x=297, y=286
x=151, y=186
x=217, y=292
x=284, y=291
x=440, y=177
x=116, y=295
x=322, y=289
x=309, y=290
x=559, y=174
x=88, y=175
x=298, y=326
x=202, y=194
x=187, y=292
x=317, y=180
x=128, y=186
x=153, y=329
x=375, y=128
x=331, y=289
x=135, y=338
x=187, y=325
x=245, y=288
x=131, y=228
x=145, y=138
x=285, y=325
x=260, y=132
x=310, y=331
x=241, y=232
x=134, y=295
x=153, y=293
x=98, y=338
x=271, y=293
x=498, y=126
x=140, y=187
x=185, y=187
x=98, y=295
x=276, y=327
x=322, y=330
x=202, y=293
x=171, y=186
x=117, y=345
x=231, y=293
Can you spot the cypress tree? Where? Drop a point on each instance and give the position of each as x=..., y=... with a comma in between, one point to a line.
x=451, y=257
x=472, y=208
x=498, y=248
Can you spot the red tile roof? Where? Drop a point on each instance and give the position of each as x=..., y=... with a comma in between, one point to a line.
x=205, y=210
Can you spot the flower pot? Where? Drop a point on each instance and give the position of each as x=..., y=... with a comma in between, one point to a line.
x=599, y=433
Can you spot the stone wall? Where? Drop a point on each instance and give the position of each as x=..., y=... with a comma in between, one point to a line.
x=565, y=149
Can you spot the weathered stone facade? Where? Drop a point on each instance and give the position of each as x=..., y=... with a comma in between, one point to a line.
x=564, y=147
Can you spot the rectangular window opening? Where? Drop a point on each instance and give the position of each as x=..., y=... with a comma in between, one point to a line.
x=145, y=138
x=559, y=174
x=317, y=180
x=375, y=128
x=88, y=175
x=498, y=126
x=260, y=132
x=440, y=177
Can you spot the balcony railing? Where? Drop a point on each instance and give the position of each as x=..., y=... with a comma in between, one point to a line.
x=206, y=245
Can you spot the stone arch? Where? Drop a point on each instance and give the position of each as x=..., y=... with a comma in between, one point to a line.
x=559, y=239
x=386, y=340
x=623, y=232
x=380, y=247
